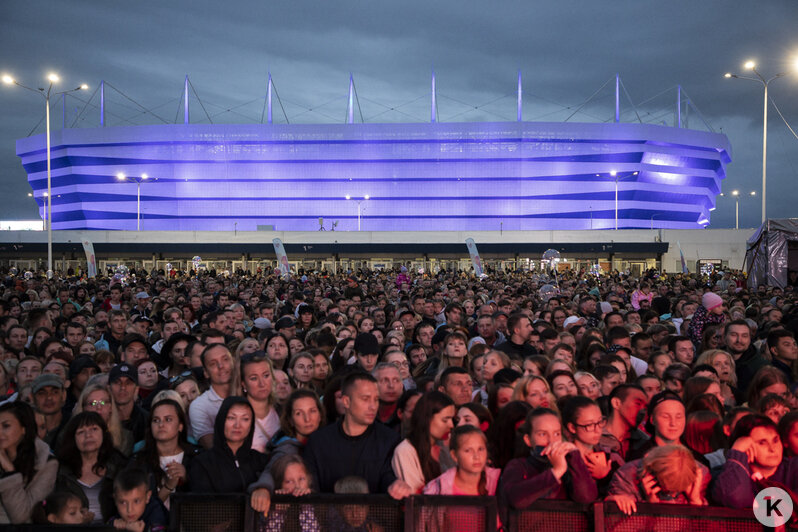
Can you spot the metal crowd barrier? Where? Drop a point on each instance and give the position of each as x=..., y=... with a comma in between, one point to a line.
x=422, y=513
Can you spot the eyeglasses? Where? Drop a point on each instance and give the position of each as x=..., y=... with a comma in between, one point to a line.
x=403, y=364
x=177, y=379
x=591, y=427
x=96, y=403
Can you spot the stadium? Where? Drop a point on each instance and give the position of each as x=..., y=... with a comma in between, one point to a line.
x=375, y=194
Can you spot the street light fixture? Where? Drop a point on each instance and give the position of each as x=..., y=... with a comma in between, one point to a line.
x=751, y=65
x=46, y=94
x=138, y=180
x=736, y=194
x=359, y=202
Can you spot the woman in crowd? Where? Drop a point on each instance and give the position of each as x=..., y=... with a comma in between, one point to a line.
x=535, y=391
x=584, y=422
x=278, y=350
x=724, y=364
x=563, y=384
x=658, y=363
x=300, y=369
x=96, y=397
x=28, y=472
x=302, y=416
x=474, y=414
x=423, y=455
x=89, y=463
x=755, y=461
x=231, y=465
x=167, y=454
x=539, y=475
x=257, y=384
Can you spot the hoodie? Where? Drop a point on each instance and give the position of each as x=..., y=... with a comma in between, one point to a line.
x=219, y=470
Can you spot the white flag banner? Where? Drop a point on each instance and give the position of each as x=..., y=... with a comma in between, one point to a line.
x=282, y=259
x=475, y=259
x=91, y=259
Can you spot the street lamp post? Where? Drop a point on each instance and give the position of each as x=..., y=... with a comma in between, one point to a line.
x=138, y=180
x=48, y=211
x=617, y=178
x=751, y=65
x=736, y=194
x=359, y=202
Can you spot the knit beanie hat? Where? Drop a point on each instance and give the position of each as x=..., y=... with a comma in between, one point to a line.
x=711, y=300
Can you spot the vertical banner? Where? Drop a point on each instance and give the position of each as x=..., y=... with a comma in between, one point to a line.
x=681, y=258
x=282, y=259
x=88, y=249
x=472, y=250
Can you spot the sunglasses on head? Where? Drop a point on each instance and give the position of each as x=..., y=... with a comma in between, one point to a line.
x=178, y=379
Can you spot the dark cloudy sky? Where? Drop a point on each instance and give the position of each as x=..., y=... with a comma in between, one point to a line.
x=566, y=49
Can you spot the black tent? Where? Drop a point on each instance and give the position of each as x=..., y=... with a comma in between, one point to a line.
x=772, y=252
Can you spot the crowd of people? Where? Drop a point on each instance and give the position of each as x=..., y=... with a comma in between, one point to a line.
x=118, y=392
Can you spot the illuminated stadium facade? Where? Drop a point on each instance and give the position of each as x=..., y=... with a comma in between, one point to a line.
x=435, y=176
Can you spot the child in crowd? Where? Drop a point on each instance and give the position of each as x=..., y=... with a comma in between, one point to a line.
x=62, y=508
x=472, y=476
x=292, y=477
x=138, y=510
x=353, y=517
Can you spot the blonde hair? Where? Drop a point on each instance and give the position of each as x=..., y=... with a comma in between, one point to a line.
x=709, y=356
x=672, y=465
x=169, y=394
x=114, y=423
x=520, y=390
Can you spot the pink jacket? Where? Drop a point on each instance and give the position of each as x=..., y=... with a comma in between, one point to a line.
x=637, y=296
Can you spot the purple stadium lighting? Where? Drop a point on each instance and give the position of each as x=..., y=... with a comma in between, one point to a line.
x=432, y=176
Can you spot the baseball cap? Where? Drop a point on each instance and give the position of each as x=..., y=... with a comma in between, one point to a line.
x=142, y=295
x=570, y=320
x=285, y=322
x=132, y=339
x=123, y=370
x=262, y=323
x=81, y=363
x=47, y=379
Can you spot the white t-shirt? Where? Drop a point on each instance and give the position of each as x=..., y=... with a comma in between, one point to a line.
x=202, y=413
x=264, y=430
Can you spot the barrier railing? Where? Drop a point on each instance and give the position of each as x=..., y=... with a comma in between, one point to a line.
x=422, y=513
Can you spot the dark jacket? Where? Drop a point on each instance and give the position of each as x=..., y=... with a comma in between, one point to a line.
x=155, y=516
x=516, y=351
x=747, y=365
x=734, y=486
x=139, y=460
x=526, y=480
x=331, y=454
x=219, y=470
